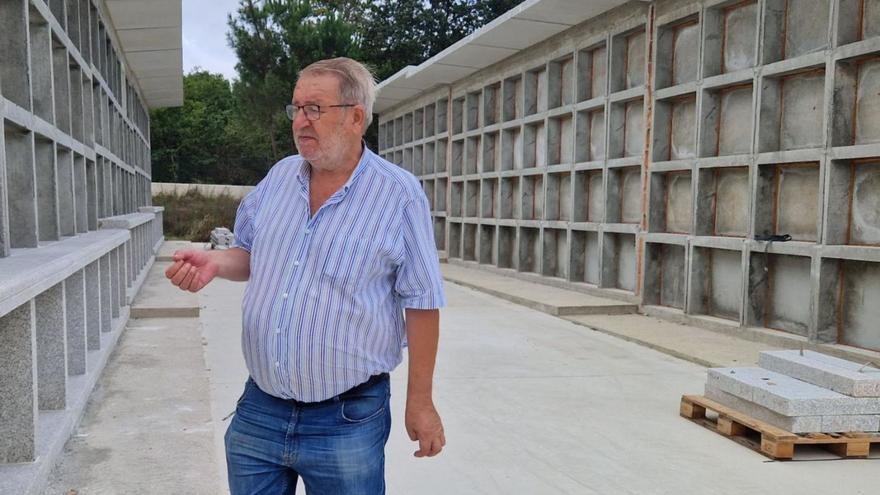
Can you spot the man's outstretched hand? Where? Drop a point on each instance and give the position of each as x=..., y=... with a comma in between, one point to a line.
x=192, y=269
x=424, y=426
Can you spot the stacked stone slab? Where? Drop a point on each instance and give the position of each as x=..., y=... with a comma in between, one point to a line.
x=221, y=238
x=802, y=392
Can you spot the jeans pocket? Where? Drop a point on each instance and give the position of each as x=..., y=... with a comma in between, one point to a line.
x=364, y=406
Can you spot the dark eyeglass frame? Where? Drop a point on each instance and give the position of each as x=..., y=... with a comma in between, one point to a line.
x=312, y=111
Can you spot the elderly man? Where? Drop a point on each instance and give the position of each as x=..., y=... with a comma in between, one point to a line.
x=337, y=248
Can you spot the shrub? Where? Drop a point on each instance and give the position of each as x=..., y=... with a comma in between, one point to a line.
x=193, y=215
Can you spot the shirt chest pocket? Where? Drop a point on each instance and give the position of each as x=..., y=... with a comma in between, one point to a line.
x=350, y=262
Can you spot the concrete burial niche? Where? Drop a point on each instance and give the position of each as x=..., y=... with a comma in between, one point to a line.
x=506, y=253
x=788, y=200
x=716, y=282
x=429, y=158
x=511, y=149
x=592, y=73
x=440, y=156
x=489, y=198
x=14, y=71
x=671, y=207
x=730, y=42
x=678, y=50
x=469, y=246
x=407, y=128
x=627, y=132
x=419, y=124
x=440, y=188
x=440, y=233
x=555, y=261
x=857, y=20
x=854, y=216
x=535, y=90
x=588, y=198
x=585, y=257
x=795, y=27
x=456, y=197
x=723, y=202
x=532, y=197
x=857, y=102
x=458, y=115
x=457, y=159
x=442, y=115
x=491, y=152
x=624, y=199
x=529, y=250
x=492, y=104
x=513, y=98
x=560, y=82
x=430, y=120
x=665, y=275
x=727, y=121
x=417, y=161
x=628, y=65
x=473, y=110
x=21, y=198
x=455, y=240
x=472, y=155
x=534, y=145
x=560, y=140
x=780, y=292
x=558, y=197
x=619, y=261
x=590, y=135
x=792, y=111
x=487, y=244
x=471, y=198
x=428, y=186
x=846, y=312
x=675, y=128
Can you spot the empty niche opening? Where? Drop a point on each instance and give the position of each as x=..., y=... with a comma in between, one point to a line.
x=585, y=257
x=559, y=140
x=671, y=202
x=627, y=129
x=795, y=27
x=506, y=246
x=717, y=282
x=511, y=149
x=845, y=314
x=419, y=124
x=555, y=262
x=535, y=145
x=854, y=215
x=787, y=200
x=47, y=196
x=507, y=197
x=491, y=152
x=41, y=66
x=780, y=292
x=430, y=155
x=440, y=233
x=858, y=20
x=513, y=97
x=488, y=193
x=455, y=199
x=628, y=60
x=665, y=271
x=21, y=186
x=624, y=203
x=532, y=197
x=726, y=121
x=457, y=159
x=469, y=245
x=407, y=128
x=592, y=74
x=458, y=115
x=678, y=48
x=455, y=240
x=560, y=85
x=430, y=124
x=535, y=90
x=442, y=115
x=590, y=138
x=418, y=157
x=472, y=198
x=723, y=202
x=382, y=133
x=529, y=249
x=398, y=131
x=472, y=155
x=398, y=158
x=408, y=159
x=440, y=158
x=440, y=195
x=558, y=197
x=619, y=261
x=491, y=104
x=428, y=186
x=857, y=102
x=473, y=110
x=731, y=37
x=487, y=244
x=792, y=111
x=13, y=45
x=588, y=197
x=675, y=129
x=61, y=85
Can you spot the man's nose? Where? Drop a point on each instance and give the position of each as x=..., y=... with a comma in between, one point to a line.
x=300, y=121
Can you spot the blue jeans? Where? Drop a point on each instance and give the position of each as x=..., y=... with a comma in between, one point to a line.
x=337, y=446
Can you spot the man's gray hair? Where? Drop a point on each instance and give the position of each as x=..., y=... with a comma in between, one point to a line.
x=357, y=84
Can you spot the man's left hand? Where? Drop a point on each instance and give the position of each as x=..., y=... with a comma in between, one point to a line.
x=423, y=425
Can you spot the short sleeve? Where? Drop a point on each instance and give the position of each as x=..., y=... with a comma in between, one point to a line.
x=419, y=284
x=244, y=217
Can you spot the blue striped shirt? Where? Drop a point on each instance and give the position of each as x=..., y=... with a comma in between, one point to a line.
x=323, y=308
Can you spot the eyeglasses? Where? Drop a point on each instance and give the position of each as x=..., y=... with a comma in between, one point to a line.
x=313, y=112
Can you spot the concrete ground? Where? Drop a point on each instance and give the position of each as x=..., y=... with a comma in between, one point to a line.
x=531, y=403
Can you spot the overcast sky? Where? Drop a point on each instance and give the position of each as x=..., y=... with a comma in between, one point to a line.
x=204, y=36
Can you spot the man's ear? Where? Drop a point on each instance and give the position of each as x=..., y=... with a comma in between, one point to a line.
x=359, y=116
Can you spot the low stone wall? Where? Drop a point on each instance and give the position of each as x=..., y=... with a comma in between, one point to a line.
x=236, y=192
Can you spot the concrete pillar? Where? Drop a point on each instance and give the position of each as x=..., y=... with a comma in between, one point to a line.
x=51, y=331
x=93, y=305
x=79, y=190
x=18, y=409
x=75, y=299
x=4, y=214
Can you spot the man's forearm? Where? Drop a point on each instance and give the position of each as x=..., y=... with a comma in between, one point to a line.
x=234, y=264
x=422, y=331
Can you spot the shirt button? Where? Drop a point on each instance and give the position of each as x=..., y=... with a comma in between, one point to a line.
x=308, y=231
x=277, y=331
x=296, y=263
x=284, y=295
x=277, y=364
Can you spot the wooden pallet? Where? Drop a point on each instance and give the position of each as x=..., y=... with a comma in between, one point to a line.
x=767, y=439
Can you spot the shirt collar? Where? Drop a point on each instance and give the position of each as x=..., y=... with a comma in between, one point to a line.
x=305, y=169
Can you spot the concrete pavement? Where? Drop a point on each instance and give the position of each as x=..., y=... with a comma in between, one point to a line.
x=532, y=404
